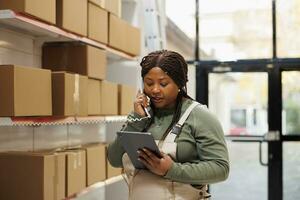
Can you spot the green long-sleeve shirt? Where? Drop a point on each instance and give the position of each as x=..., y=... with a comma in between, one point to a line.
x=202, y=155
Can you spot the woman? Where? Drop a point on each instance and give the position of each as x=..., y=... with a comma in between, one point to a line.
x=193, y=148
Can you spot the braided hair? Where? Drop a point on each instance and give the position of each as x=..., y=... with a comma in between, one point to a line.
x=175, y=66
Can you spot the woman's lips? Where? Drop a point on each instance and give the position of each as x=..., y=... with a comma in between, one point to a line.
x=156, y=99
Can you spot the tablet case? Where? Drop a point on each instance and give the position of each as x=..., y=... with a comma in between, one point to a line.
x=133, y=141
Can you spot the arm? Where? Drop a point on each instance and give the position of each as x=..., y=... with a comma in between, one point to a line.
x=211, y=163
x=136, y=121
x=115, y=150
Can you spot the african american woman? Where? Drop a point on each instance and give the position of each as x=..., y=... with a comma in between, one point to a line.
x=191, y=139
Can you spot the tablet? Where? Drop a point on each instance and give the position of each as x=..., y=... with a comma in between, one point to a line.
x=133, y=141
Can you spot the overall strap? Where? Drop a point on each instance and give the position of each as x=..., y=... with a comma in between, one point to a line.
x=177, y=128
x=187, y=113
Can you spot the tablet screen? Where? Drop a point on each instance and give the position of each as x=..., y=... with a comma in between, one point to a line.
x=133, y=141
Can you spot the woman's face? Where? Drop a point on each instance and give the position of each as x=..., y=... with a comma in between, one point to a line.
x=161, y=89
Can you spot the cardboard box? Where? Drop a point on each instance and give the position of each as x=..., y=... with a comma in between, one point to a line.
x=114, y=6
x=94, y=97
x=133, y=45
x=32, y=176
x=109, y=98
x=75, y=57
x=100, y=3
x=60, y=166
x=117, y=32
x=44, y=10
x=83, y=95
x=64, y=91
x=130, y=39
x=126, y=99
x=97, y=23
x=25, y=91
x=72, y=15
x=95, y=163
x=76, y=171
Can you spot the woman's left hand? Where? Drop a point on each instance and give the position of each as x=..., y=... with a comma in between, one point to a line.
x=159, y=166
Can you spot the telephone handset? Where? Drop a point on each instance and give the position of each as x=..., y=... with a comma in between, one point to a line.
x=147, y=109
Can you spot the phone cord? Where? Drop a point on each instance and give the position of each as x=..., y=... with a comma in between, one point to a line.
x=133, y=119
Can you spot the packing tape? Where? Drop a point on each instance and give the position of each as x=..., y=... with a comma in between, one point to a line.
x=75, y=162
x=64, y=149
x=79, y=159
x=76, y=98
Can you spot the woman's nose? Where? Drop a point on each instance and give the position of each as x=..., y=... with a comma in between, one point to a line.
x=155, y=90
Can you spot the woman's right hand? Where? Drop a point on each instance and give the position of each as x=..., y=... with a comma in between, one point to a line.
x=141, y=101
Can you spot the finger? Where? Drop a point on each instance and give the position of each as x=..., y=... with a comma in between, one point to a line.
x=144, y=155
x=151, y=155
x=166, y=156
x=145, y=162
x=163, y=154
x=151, y=162
x=139, y=102
x=145, y=102
x=139, y=93
x=142, y=100
x=139, y=97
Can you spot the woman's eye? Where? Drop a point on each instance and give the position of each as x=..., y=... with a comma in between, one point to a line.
x=149, y=84
x=164, y=84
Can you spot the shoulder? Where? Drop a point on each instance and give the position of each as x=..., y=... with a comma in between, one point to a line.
x=202, y=116
x=200, y=110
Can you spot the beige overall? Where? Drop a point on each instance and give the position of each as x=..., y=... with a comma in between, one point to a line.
x=144, y=185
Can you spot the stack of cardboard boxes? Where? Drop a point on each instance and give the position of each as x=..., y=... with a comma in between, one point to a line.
x=64, y=93
x=71, y=83
x=100, y=97
x=26, y=91
x=99, y=20
x=53, y=175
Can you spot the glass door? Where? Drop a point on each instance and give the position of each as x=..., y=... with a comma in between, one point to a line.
x=256, y=100
x=290, y=76
x=238, y=93
x=240, y=102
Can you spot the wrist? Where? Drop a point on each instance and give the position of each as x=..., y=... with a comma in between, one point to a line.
x=165, y=173
x=167, y=169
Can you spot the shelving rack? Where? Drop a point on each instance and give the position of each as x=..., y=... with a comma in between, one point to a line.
x=43, y=121
x=45, y=32
x=50, y=33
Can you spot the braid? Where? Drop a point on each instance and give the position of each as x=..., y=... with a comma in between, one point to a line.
x=174, y=65
x=176, y=116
